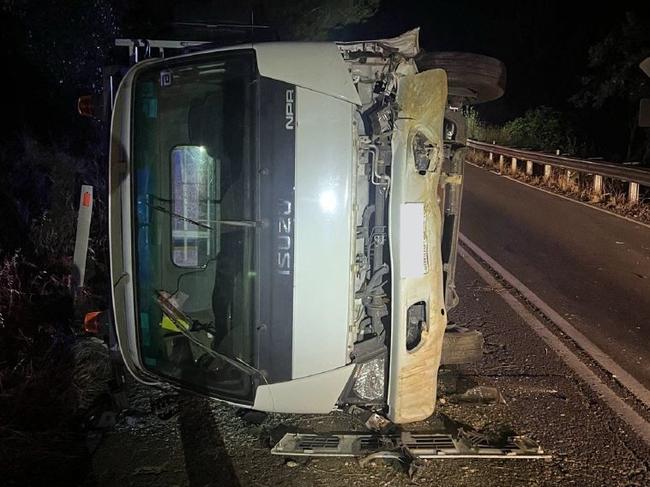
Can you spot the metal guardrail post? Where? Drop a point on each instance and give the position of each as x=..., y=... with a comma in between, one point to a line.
x=598, y=184
x=569, y=177
x=491, y=154
x=548, y=171
x=633, y=192
x=633, y=176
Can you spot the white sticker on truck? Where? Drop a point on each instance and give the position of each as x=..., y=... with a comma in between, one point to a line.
x=412, y=252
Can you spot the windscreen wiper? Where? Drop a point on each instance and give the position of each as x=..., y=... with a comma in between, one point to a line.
x=233, y=223
x=180, y=321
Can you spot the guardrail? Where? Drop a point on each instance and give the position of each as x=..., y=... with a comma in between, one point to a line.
x=633, y=176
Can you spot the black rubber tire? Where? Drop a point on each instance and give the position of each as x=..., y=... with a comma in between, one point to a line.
x=473, y=77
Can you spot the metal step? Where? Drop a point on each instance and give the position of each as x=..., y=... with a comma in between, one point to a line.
x=422, y=445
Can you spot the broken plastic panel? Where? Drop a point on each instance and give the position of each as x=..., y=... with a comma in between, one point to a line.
x=423, y=445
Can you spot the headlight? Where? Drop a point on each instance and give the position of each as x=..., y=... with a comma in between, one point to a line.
x=369, y=380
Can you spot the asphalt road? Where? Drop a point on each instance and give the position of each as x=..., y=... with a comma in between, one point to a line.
x=556, y=248
x=207, y=445
x=591, y=267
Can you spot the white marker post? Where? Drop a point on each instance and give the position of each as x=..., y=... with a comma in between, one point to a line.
x=598, y=184
x=529, y=168
x=83, y=232
x=633, y=192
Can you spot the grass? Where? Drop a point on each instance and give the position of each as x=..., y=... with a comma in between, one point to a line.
x=49, y=377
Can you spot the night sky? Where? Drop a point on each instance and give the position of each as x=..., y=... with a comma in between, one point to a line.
x=543, y=43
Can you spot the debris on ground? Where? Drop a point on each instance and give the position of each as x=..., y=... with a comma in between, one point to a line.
x=376, y=422
x=402, y=459
x=546, y=404
x=166, y=406
x=478, y=394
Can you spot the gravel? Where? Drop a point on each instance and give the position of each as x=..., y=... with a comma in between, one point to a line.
x=207, y=444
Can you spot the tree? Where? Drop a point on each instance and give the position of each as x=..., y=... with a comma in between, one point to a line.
x=311, y=20
x=315, y=19
x=615, y=80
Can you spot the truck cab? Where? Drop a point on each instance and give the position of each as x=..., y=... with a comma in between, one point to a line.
x=283, y=221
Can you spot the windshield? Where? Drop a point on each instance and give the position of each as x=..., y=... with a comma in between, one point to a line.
x=193, y=159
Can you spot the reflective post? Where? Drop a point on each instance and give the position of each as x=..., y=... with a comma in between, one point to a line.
x=83, y=232
x=598, y=184
x=529, y=168
x=633, y=192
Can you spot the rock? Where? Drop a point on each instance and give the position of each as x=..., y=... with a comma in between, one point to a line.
x=478, y=394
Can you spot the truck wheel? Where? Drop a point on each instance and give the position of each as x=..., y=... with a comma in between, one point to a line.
x=473, y=77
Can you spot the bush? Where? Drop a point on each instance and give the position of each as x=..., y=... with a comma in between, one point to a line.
x=47, y=374
x=542, y=128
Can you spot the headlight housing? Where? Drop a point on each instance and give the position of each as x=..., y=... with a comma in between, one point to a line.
x=369, y=380
x=368, y=383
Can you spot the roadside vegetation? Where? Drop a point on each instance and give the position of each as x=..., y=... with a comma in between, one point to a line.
x=599, y=121
x=543, y=129
x=601, y=118
x=48, y=381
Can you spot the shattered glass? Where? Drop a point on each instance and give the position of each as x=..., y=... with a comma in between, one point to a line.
x=369, y=381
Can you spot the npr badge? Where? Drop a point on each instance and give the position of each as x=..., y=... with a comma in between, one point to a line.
x=166, y=78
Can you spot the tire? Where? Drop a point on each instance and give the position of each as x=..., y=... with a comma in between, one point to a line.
x=473, y=77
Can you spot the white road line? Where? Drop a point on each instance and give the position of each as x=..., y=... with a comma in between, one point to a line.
x=638, y=424
x=604, y=360
x=588, y=205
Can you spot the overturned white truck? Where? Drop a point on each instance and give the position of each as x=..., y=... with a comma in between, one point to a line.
x=283, y=219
